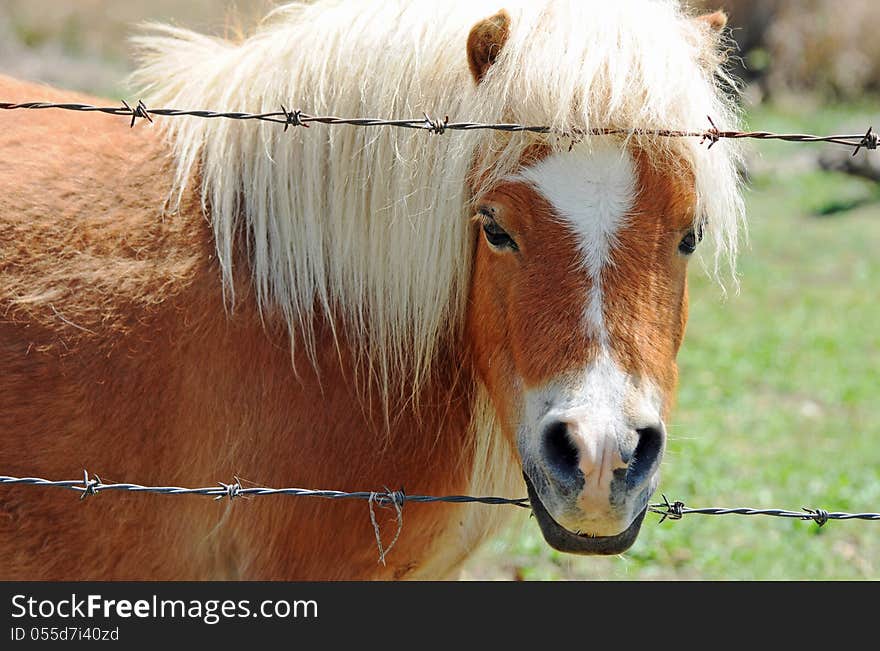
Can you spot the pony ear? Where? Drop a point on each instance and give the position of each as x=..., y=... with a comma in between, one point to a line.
x=716, y=20
x=485, y=41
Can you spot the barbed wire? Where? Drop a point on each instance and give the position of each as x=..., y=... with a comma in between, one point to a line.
x=676, y=510
x=92, y=486
x=296, y=118
x=88, y=486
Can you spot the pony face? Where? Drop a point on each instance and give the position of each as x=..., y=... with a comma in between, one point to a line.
x=577, y=309
x=578, y=298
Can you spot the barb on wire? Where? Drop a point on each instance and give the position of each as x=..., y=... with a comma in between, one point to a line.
x=437, y=126
x=676, y=510
x=297, y=118
x=712, y=134
x=670, y=510
x=233, y=490
x=90, y=486
x=869, y=141
x=819, y=515
x=292, y=119
x=139, y=111
x=395, y=499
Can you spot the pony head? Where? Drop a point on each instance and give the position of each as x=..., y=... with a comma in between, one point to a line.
x=578, y=298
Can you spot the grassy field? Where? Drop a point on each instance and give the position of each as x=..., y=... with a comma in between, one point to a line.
x=778, y=380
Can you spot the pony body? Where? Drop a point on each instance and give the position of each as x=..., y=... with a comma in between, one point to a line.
x=225, y=299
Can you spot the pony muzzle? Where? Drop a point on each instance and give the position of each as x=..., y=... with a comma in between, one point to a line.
x=589, y=488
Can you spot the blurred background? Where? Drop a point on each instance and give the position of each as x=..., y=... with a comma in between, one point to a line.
x=780, y=381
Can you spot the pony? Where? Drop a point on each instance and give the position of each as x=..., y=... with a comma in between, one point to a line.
x=354, y=308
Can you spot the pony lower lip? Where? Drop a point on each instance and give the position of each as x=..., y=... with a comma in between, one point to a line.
x=564, y=540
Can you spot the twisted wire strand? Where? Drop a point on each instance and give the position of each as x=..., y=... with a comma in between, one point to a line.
x=94, y=486
x=674, y=510
x=677, y=510
x=296, y=118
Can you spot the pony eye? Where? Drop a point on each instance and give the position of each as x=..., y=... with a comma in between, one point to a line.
x=688, y=243
x=495, y=235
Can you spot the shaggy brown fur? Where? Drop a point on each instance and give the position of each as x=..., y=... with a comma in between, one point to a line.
x=116, y=355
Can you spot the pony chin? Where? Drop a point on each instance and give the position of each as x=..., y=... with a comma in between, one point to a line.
x=563, y=540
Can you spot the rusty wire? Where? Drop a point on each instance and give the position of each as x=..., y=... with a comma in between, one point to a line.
x=296, y=118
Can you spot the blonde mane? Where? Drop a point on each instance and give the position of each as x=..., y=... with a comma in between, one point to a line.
x=370, y=225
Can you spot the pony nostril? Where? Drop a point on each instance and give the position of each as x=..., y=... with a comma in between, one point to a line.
x=560, y=451
x=646, y=456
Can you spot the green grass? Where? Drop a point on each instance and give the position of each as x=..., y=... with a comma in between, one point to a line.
x=779, y=382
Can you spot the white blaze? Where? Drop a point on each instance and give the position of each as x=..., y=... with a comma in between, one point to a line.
x=592, y=189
